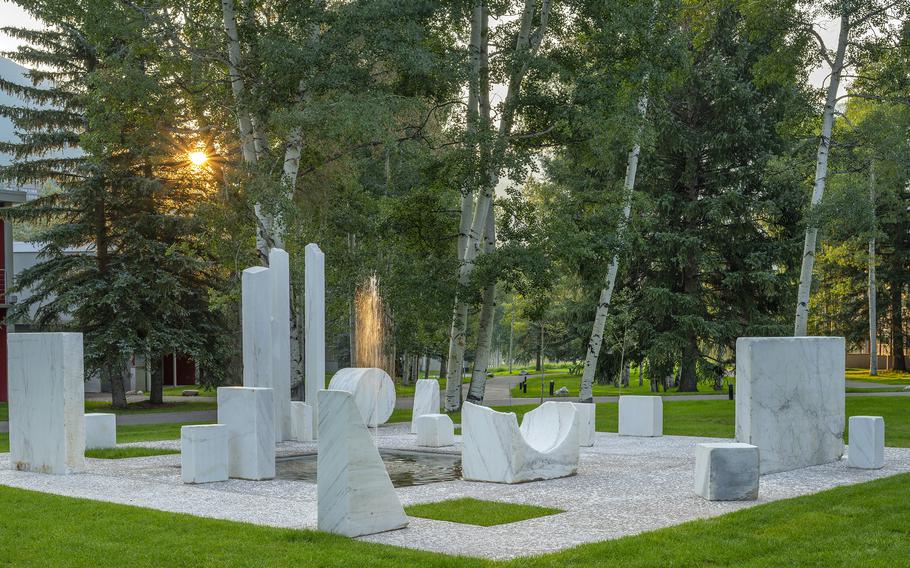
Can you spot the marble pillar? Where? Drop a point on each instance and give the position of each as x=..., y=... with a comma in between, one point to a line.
x=46, y=402
x=314, y=317
x=204, y=453
x=373, y=390
x=790, y=399
x=355, y=496
x=249, y=415
x=279, y=270
x=867, y=442
x=100, y=431
x=585, y=416
x=301, y=422
x=256, y=320
x=426, y=400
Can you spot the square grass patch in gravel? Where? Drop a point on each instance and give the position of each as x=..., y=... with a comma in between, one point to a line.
x=470, y=511
x=122, y=453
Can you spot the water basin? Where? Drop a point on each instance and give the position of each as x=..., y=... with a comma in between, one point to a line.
x=406, y=468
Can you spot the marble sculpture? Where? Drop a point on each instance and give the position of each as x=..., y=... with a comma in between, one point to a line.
x=249, y=416
x=867, y=442
x=641, y=416
x=279, y=270
x=46, y=402
x=497, y=450
x=373, y=390
x=301, y=422
x=726, y=471
x=100, y=431
x=435, y=431
x=584, y=415
x=790, y=399
x=355, y=495
x=314, y=318
x=204, y=453
x=426, y=400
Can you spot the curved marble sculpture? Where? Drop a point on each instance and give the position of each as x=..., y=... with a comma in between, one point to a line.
x=497, y=450
x=373, y=390
x=426, y=400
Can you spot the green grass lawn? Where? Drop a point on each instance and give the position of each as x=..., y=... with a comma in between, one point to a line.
x=133, y=407
x=408, y=390
x=884, y=377
x=860, y=525
x=477, y=512
x=573, y=383
x=130, y=433
x=178, y=391
x=129, y=452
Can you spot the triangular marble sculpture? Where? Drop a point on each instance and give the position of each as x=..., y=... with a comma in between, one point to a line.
x=355, y=496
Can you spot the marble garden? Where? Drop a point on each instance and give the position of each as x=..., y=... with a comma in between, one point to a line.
x=790, y=419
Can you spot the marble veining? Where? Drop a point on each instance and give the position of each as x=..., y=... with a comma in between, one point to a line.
x=585, y=417
x=867, y=442
x=426, y=400
x=373, y=390
x=249, y=416
x=204, y=453
x=726, y=471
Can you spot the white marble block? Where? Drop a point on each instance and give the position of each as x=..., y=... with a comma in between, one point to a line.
x=641, y=416
x=867, y=442
x=100, y=431
x=726, y=471
x=46, y=402
x=314, y=325
x=496, y=450
x=373, y=390
x=249, y=415
x=584, y=415
x=435, y=431
x=279, y=270
x=204, y=453
x=426, y=400
x=354, y=493
x=301, y=422
x=790, y=399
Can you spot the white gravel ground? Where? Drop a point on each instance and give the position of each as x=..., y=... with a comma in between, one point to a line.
x=624, y=486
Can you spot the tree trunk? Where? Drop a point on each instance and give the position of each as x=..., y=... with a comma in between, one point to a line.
x=443, y=366
x=897, y=328
x=801, y=322
x=586, y=393
x=156, y=388
x=873, y=302
x=426, y=366
x=485, y=328
x=117, y=373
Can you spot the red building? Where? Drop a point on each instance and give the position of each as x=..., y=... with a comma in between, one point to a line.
x=7, y=198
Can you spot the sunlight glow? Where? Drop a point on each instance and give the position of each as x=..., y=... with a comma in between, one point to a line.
x=198, y=158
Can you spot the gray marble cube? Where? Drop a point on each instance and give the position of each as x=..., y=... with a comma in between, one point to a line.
x=726, y=471
x=204, y=453
x=867, y=442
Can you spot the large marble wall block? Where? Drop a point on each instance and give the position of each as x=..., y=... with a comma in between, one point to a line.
x=256, y=319
x=100, y=431
x=584, y=415
x=790, y=399
x=426, y=400
x=204, y=453
x=373, y=390
x=726, y=471
x=249, y=415
x=354, y=493
x=435, y=431
x=46, y=402
x=279, y=270
x=641, y=416
x=495, y=449
x=301, y=422
x=314, y=324
x=867, y=442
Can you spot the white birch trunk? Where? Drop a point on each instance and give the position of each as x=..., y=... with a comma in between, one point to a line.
x=873, y=303
x=485, y=326
x=586, y=393
x=801, y=322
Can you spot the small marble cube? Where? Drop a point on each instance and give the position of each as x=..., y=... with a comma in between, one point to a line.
x=204, y=453
x=301, y=421
x=726, y=471
x=435, y=430
x=100, y=431
x=641, y=416
x=584, y=418
x=867, y=442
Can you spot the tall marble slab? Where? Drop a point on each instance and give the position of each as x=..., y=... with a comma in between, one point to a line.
x=426, y=400
x=279, y=269
x=46, y=402
x=355, y=496
x=249, y=415
x=256, y=320
x=790, y=399
x=314, y=317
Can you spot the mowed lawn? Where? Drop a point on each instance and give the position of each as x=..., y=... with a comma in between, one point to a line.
x=860, y=525
x=573, y=383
